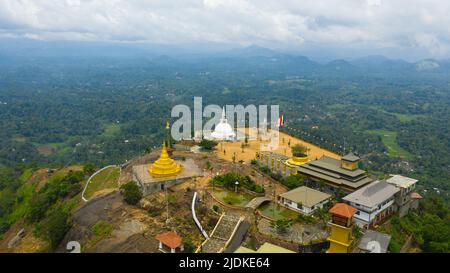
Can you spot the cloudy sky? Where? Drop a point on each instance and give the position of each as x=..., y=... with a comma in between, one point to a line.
x=371, y=25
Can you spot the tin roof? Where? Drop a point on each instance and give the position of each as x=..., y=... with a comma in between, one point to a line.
x=306, y=196
x=373, y=194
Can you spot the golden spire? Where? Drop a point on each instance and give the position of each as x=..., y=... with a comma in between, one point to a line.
x=164, y=166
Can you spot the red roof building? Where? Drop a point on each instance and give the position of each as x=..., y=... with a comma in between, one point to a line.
x=343, y=210
x=170, y=241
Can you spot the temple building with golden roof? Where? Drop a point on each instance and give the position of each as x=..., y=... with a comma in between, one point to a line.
x=164, y=172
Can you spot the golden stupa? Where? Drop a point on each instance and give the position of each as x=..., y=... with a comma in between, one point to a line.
x=164, y=166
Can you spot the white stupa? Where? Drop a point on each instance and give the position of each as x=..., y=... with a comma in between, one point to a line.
x=223, y=130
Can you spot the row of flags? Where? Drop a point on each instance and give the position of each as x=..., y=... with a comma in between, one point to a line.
x=280, y=121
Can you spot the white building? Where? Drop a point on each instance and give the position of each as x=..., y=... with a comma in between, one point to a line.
x=304, y=199
x=406, y=199
x=374, y=203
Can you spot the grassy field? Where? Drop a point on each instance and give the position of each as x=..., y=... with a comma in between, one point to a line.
x=111, y=129
x=55, y=148
x=231, y=198
x=389, y=139
x=24, y=193
x=406, y=118
x=106, y=179
x=401, y=117
x=25, y=175
x=277, y=212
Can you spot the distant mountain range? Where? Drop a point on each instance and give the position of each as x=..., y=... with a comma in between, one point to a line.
x=252, y=56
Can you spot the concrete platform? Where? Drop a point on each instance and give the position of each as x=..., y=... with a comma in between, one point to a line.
x=151, y=184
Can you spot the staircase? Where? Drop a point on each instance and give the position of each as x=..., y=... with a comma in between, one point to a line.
x=221, y=234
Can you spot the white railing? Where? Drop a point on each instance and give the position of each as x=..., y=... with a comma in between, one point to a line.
x=92, y=176
x=195, y=217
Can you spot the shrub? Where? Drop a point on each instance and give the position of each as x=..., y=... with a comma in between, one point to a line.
x=102, y=229
x=215, y=208
x=281, y=225
x=207, y=144
x=305, y=219
x=154, y=211
x=131, y=192
x=394, y=247
x=89, y=168
x=75, y=177
x=258, y=189
x=265, y=169
x=189, y=247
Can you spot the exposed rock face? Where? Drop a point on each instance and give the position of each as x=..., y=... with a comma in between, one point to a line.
x=125, y=220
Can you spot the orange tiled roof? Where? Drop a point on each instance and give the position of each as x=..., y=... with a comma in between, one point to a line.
x=343, y=210
x=415, y=195
x=170, y=239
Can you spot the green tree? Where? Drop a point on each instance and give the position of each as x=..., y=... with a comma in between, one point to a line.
x=55, y=226
x=293, y=181
x=39, y=204
x=131, y=192
x=299, y=150
x=89, y=168
x=208, y=145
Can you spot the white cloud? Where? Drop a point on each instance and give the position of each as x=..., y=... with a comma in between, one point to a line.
x=287, y=23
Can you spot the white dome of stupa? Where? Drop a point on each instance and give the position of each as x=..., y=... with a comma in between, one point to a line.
x=223, y=130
